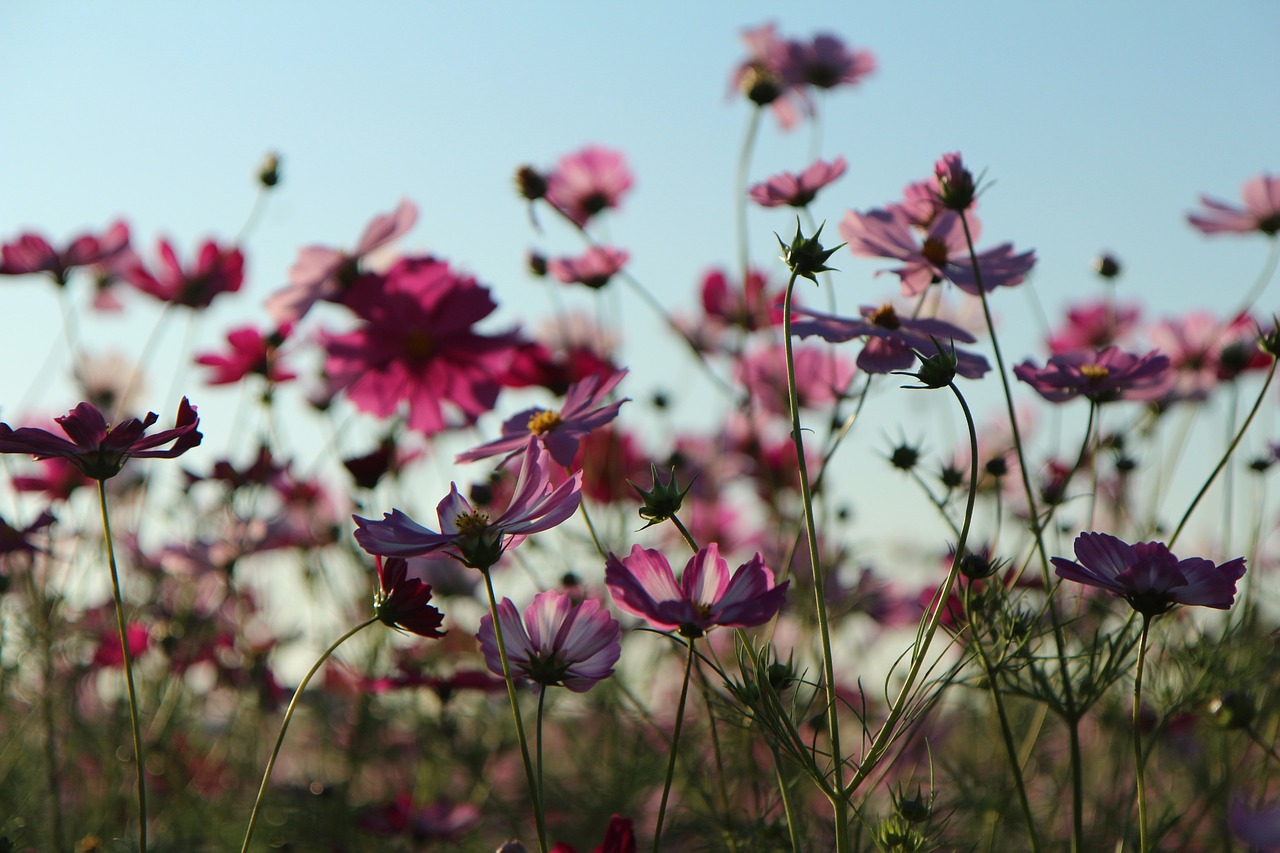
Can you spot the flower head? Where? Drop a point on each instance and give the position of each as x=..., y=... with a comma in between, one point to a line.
x=1101, y=375
x=593, y=268
x=31, y=253
x=587, y=182
x=787, y=188
x=250, y=352
x=643, y=585
x=957, y=189
x=1148, y=576
x=401, y=601
x=825, y=62
x=1261, y=210
x=557, y=643
x=216, y=269
x=98, y=449
x=892, y=338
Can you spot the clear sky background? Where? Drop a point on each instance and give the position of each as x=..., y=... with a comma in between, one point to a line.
x=1098, y=125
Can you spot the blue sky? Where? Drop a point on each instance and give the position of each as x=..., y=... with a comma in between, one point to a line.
x=1098, y=125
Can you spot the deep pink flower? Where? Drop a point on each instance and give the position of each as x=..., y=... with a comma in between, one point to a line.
x=1150, y=578
x=402, y=601
x=216, y=270
x=57, y=479
x=594, y=267
x=1261, y=210
x=749, y=305
x=1094, y=325
x=786, y=188
x=619, y=837
x=99, y=450
x=587, y=182
x=822, y=376
x=251, y=353
x=534, y=363
x=417, y=347
x=892, y=339
x=1204, y=350
x=109, y=653
x=941, y=254
x=324, y=273
x=471, y=536
x=13, y=539
x=825, y=62
x=31, y=253
x=585, y=409
x=643, y=585
x=558, y=642
x=1101, y=375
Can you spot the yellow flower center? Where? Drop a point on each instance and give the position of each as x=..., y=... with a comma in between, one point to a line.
x=543, y=422
x=1095, y=373
x=469, y=523
x=885, y=317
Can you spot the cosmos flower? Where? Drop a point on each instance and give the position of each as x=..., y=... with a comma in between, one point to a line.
x=557, y=643
x=402, y=601
x=585, y=409
x=1148, y=576
x=31, y=253
x=251, y=352
x=100, y=450
x=1094, y=325
x=216, y=270
x=1101, y=375
x=643, y=585
x=1261, y=211
x=892, y=340
x=594, y=267
x=825, y=62
x=787, y=188
x=767, y=76
x=587, y=182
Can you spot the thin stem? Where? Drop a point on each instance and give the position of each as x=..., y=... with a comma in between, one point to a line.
x=284, y=726
x=591, y=528
x=1268, y=270
x=542, y=698
x=1137, y=738
x=684, y=531
x=535, y=790
x=675, y=745
x=740, y=194
x=138, y=757
x=787, y=807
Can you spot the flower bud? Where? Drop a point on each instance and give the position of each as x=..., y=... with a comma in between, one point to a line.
x=1106, y=265
x=663, y=500
x=904, y=457
x=530, y=183
x=269, y=170
x=1232, y=710
x=805, y=256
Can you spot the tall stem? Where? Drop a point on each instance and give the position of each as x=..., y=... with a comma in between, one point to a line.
x=675, y=745
x=138, y=757
x=284, y=726
x=1137, y=738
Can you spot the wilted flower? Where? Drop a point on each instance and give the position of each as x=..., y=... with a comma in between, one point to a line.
x=402, y=601
x=557, y=643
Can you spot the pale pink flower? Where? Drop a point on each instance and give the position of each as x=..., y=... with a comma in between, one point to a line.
x=1261, y=211
x=559, y=642
x=594, y=267
x=786, y=188
x=587, y=182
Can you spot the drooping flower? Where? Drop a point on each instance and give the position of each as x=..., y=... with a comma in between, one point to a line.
x=557, y=643
x=1101, y=376
x=402, y=601
x=585, y=409
x=31, y=253
x=643, y=585
x=786, y=188
x=216, y=270
x=324, y=273
x=471, y=536
x=1261, y=211
x=587, y=182
x=1148, y=576
x=251, y=352
x=593, y=268
x=892, y=339
x=100, y=450
x=417, y=347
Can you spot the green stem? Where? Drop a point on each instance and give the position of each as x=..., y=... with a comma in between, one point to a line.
x=675, y=745
x=284, y=726
x=787, y=808
x=1137, y=738
x=740, y=195
x=684, y=531
x=138, y=756
x=542, y=698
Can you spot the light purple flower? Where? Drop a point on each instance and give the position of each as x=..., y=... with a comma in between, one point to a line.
x=825, y=62
x=892, y=340
x=1261, y=210
x=470, y=535
x=787, y=188
x=585, y=408
x=1148, y=576
x=557, y=643
x=594, y=267
x=706, y=596
x=1100, y=375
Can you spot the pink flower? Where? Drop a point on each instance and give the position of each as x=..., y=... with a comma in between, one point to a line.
x=1150, y=578
x=402, y=602
x=31, y=253
x=1102, y=376
x=956, y=187
x=585, y=409
x=471, y=536
x=57, y=479
x=1093, y=326
x=442, y=820
x=99, y=450
x=822, y=376
x=594, y=267
x=892, y=340
x=619, y=837
x=558, y=642
x=786, y=188
x=748, y=305
x=251, y=353
x=1261, y=210
x=706, y=596
x=587, y=182
x=416, y=347
x=1204, y=351
x=825, y=62
x=324, y=273
x=216, y=270
x=767, y=77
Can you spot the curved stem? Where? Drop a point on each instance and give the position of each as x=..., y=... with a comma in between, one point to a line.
x=1264, y=278
x=675, y=745
x=138, y=757
x=1137, y=738
x=284, y=726
x=684, y=531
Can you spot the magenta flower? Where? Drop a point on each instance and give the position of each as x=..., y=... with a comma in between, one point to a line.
x=594, y=267
x=893, y=340
x=706, y=596
x=587, y=182
x=749, y=305
x=471, y=536
x=1150, y=578
x=825, y=62
x=822, y=376
x=216, y=270
x=324, y=273
x=1094, y=325
x=15, y=539
x=1101, y=375
x=402, y=601
x=557, y=643
x=31, y=253
x=251, y=353
x=417, y=347
x=786, y=188
x=1204, y=351
x=1261, y=210
x=99, y=450
x=585, y=409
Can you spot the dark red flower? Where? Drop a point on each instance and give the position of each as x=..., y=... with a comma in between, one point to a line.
x=402, y=601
